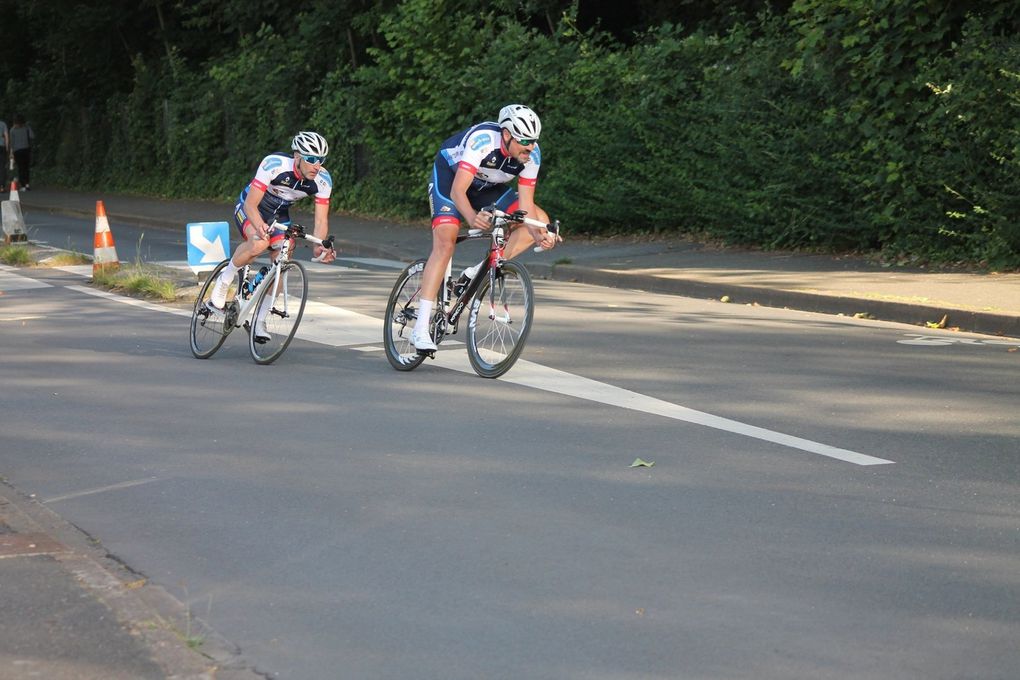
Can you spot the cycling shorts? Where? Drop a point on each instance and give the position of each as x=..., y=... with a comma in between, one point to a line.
x=444, y=211
x=275, y=235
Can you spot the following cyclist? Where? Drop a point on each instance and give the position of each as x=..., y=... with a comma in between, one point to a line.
x=280, y=180
x=472, y=170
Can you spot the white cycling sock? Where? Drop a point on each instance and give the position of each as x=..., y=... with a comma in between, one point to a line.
x=421, y=324
x=263, y=311
x=229, y=272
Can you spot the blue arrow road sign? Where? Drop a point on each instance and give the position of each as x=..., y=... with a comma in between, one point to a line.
x=208, y=245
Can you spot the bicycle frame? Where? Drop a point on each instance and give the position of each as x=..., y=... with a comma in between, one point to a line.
x=494, y=339
x=245, y=303
x=490, y=265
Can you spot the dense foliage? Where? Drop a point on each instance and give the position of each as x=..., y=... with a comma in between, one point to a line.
x=885, y=125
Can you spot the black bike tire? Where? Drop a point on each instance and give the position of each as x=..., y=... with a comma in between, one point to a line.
x=397, y=360
x=253, y=347
x=482, y=367
x=199, y=302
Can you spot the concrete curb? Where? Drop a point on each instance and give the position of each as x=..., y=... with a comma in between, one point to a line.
x=916, y=314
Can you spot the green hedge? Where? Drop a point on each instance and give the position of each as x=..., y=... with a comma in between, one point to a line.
x=889, y=125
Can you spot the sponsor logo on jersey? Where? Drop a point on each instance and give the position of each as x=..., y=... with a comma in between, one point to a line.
x=481, y=141
x=445, y=208
x=272, y=162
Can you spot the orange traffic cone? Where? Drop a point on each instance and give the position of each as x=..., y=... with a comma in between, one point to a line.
x=14, y=191
x=105, y=255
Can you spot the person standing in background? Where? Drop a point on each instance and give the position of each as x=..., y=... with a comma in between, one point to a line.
x=22, y=137
x=5, y=150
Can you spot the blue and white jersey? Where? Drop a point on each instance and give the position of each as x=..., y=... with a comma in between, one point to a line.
x=480, y=151
x=278, y=176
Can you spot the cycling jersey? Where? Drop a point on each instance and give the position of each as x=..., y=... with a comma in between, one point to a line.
x=278, y=177
x=479, y=150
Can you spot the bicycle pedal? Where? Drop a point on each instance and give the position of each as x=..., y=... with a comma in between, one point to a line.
x=429, y=353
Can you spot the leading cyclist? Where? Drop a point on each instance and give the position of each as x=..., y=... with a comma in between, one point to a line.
x=279, y=181
x=471, y=171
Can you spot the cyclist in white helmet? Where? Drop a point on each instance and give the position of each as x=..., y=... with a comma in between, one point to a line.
x=471, y=171
x=281, y=179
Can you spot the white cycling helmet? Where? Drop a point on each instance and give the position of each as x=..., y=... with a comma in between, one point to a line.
x=522, y=122
x=310, y=143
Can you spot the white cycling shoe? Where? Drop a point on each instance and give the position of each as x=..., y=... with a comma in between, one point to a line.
x=422, y=341
x=218, y=296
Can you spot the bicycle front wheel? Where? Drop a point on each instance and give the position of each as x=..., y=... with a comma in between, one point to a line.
x=209, y=330
x=278, y=311
x=401, y=313
x=500, y=320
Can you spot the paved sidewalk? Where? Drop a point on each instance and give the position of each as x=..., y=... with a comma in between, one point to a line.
x=73, y=612
x=982, y=303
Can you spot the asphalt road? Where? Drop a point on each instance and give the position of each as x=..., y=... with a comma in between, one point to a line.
x=335, y=518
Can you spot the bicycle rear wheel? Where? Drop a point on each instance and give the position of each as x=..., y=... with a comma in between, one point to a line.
x=208, y=330
x=401, y=312
x=277, y=318
x=500, y=320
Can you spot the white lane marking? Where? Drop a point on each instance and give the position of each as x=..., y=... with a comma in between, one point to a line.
x=130, y=301
x=101, y=489
x=941, y=340
x=374, y=262
x=540, y=377
x=83, y=270
x=338, y=327
x=10, y=281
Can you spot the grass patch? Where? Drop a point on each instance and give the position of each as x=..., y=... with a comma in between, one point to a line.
x=15, y=256
x=66, y=259
x=137, y=280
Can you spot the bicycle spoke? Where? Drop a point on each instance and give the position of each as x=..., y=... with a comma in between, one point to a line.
x=401, y=314
x=208, y=329
x=500, y=320
x=278, y=312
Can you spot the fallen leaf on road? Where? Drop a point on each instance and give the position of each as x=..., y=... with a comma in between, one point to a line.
x=641, y=463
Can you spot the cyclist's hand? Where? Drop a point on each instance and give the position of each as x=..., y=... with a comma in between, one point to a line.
x=258, y=233
x=543, y=238
x=325, y=255
x=483, y=220
x=262, y=233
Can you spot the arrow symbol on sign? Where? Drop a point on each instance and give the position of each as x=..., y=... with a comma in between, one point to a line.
x=212, y=251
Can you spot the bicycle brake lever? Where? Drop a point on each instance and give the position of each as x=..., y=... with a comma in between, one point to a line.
x=554, y=229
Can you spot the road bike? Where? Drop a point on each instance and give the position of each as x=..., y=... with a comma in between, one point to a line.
x=499, y=298
x=278, y=291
